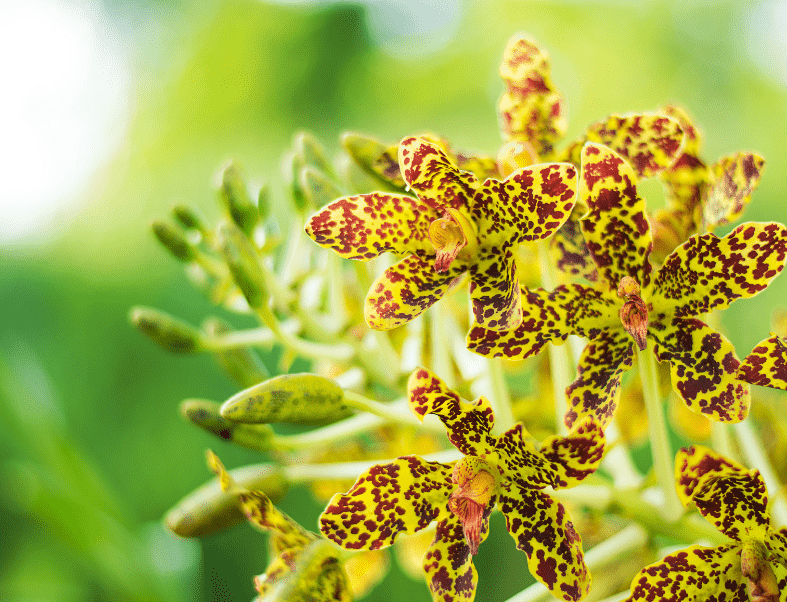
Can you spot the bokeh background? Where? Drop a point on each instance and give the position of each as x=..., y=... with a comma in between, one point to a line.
x=114, y=111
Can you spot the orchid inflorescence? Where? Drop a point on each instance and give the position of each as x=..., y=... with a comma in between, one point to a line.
x=467, y=267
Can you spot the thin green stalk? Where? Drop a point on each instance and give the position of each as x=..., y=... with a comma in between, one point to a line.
x=389, y=411
x=559, y=368
x=327, y=435
x=304, y=473
x=663, y=459
x=499, y=396
x=720, y=440
x=439, y=346
x=307, y=349
x=252, y=337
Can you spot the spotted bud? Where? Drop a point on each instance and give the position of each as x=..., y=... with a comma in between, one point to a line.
x=379, y=160
x=209, y=509
x=243, y=262
x=173, y=240
x=206, y=415
x=761, y=581
x=236, y=199
x=318, y=187
x=515, y=155
x=289, y=398
x=168, y=331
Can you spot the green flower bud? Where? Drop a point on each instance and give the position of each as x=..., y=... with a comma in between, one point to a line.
x=168, y=331
x=290, y=398
x=188, y=217
x=318, y=187
x=379, y=160
x=294, y=163
x=236, y=200
x=209, y=509
x=205, y=414
x=243, y=262
x=174, y=240
x=313, y=152
x=242, y=365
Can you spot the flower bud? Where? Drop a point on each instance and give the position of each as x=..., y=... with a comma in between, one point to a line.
x=318, y=187
x=188, y=218
x=174, y=240
x=209, y=509
x=236, y=200
x=264, y=201
x=205, y=414
x=169, y=332
x=241, y=364
x=289, y=398
x=312, y=151
x=244, y=263
x=377, y=159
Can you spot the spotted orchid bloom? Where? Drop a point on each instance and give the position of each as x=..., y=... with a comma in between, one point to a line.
x=455, y=225
x=629, y=307
x=752, y=567
x=408, y=494
x=701, y=197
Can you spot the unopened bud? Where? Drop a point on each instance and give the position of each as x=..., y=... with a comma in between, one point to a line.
x=294, y=163
x=205, y=414
x=378, y=159
x=761, y=583
x=169, y=332
x=290, y=398
x=209, y=509
x=318, y=187
x=313, y=152
x=174, y=240
x=188, y=217
x=244, y=263
x=237, y=201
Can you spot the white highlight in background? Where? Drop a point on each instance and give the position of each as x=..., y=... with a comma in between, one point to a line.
x=63, y=110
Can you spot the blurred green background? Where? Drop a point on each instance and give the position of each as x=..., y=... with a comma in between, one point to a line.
x=92, y=449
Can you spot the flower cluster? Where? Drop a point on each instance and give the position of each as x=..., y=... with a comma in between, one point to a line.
x=546, y=245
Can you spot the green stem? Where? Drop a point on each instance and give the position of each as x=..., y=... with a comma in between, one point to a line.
x=390, y=411
x=252, y=337
x=663, y=458
x=439, y=346
x=499, y=396
x=327, y=435
x=720, y=440
x=559, y=367
x=304, y=473
x=307, y=349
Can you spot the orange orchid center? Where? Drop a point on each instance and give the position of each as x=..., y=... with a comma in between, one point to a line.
x=450, y=235
x=758, y=572
x=634, y=313
x=470, y=499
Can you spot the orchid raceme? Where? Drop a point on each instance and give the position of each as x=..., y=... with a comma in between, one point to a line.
x=406, y=495
x=702, y=197
x=751, y=568
x=455, y=225
x=629, y=306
